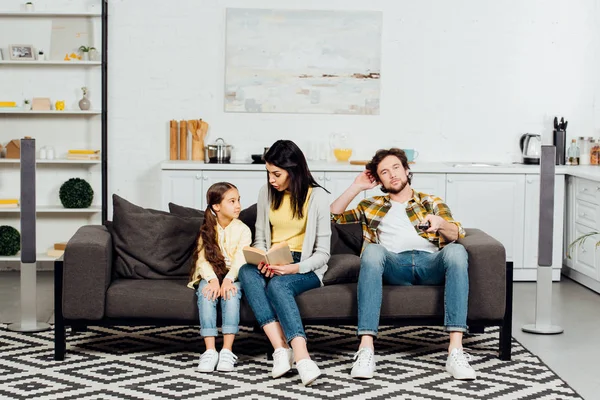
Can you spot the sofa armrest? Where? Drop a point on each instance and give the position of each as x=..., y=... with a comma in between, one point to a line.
x=87, y=273
x=487, y=275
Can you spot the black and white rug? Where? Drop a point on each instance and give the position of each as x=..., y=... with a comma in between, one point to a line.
x=159, y=363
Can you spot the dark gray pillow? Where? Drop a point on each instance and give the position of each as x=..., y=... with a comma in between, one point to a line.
x=342, y=268
x=151, y=244
x=187, y=212
x=346, y=238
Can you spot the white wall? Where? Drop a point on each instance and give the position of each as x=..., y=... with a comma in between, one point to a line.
x=461, y=80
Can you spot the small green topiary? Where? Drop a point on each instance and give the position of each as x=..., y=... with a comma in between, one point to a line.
x=10, y=241
x=76, y=193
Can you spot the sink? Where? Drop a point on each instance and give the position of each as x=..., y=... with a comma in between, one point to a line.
x=473, y=164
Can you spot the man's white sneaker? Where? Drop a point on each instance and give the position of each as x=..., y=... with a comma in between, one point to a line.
x=227, y=361
x=208, y=361
x=458, y=366
x=308, y=371
x=283, y=360
x=364, y=364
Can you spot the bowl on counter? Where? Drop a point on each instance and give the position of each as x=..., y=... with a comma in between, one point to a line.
x=257, y=159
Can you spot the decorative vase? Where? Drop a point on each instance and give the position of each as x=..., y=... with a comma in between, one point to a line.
x=84, y=103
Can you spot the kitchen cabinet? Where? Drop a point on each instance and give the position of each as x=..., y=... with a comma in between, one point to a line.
x=492, y=203
x=188, y=188
x=583, y=217
x=337, y=183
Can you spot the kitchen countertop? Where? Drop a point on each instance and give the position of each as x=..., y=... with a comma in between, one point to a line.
x=587, y=172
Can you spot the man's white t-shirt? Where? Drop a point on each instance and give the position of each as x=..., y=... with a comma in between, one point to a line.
x=397, y=234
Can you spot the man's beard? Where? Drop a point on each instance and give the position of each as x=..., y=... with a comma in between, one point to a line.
x=392, y=190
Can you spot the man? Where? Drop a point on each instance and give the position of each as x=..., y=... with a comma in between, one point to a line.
x=408, y=239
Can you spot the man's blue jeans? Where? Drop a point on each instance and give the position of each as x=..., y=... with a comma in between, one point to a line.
x=378, y=266
x=274, y=299
x=230, y=312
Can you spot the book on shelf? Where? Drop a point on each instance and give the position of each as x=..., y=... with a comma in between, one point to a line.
x=83, y=157
x=9, y=201
x=55, y=253
x=279, y=254
x=9, y=206
x=83, y=151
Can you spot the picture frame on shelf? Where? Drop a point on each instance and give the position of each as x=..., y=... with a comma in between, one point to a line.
x=21, y=52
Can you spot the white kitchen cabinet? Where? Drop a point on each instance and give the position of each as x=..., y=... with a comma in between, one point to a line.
x=337, y=183
x=247, y=182
x=583, y=217
x=492, y=203
x=532, y=217
x=183, y=188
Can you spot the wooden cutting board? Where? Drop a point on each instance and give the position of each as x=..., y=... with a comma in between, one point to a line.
x=365, y=162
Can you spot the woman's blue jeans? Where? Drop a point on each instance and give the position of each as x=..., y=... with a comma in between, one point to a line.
x=448, y=266
x=230, y=312
x=273, y=299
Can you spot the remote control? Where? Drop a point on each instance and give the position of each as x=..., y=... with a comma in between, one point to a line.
x=423, y=225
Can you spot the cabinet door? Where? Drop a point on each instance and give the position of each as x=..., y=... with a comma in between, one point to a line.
x=532, y=221
x=182, y=187
x=337, y=183
x=586, y=254
x=247, y=182
x=434, y=184
x=492, y=203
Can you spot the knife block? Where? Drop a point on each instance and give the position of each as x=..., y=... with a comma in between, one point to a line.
x=560, y=142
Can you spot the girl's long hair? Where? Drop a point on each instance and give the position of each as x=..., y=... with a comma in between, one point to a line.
x=286, y=155
x=208, y=237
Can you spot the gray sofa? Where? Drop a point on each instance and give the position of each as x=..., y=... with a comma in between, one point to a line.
x=88, y=292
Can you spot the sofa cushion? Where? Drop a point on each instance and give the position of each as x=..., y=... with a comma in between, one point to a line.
x=342, y=268
x=186, y=212
x=151, y=244
x=346, y=238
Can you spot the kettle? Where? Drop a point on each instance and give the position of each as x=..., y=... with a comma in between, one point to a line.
x=531, y=148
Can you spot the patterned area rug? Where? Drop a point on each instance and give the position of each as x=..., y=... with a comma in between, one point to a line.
x=159, y=363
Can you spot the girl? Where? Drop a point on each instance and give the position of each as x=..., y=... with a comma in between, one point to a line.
x=218, y=258
x=292, y=207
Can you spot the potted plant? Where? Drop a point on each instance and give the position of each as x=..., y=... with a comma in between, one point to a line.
x=26, y=104
x=580, y=241
x=29, y=6
x=85, y=52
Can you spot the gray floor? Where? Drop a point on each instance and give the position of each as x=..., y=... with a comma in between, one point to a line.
x=573, y=355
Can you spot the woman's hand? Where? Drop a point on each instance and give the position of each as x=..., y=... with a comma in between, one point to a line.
x=211, y=291
x=228, y=289
x=265, y=269
x=288, y=269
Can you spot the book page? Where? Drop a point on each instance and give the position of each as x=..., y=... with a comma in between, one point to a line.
x=253, y=255
x=280, y=255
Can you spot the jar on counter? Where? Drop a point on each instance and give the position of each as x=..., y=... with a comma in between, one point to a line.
x=585, y=149
x=595, y=152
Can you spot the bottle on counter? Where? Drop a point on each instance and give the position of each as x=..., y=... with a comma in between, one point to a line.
x=573, y=153
x=595, y=152
x=585, y=149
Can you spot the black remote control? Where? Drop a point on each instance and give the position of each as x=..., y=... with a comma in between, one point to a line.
x=423, y=225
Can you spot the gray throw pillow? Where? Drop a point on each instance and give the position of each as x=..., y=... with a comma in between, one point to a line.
x=151, y=244
x=346, y=238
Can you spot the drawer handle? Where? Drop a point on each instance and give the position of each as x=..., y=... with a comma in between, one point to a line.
x=584, y=189
x=328, y=179
x=583, y=250
x=529, y=180
x=320, y=178
x=198, y=176
x=597, y=188
x=206, y=178
x=449, y=180
x=584, y=215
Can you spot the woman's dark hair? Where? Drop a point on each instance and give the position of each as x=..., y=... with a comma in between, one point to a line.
x=208, y=239
x=286, y=155
x=383, y=153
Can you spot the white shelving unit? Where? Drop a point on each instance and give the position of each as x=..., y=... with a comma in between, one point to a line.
x=71, y=128
x=9, y=110
x=54, y=62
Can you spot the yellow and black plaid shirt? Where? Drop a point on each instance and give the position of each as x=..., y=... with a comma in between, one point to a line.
x=371, y=211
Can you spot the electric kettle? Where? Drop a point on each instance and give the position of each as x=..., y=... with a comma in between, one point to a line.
x=531, y=148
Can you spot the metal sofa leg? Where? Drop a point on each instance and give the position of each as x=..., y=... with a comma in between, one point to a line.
x=60, y=339
x=506, y=328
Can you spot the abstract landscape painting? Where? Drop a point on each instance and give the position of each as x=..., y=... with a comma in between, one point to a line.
x=303, y=61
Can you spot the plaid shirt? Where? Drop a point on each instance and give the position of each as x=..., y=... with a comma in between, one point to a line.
x=371, y=211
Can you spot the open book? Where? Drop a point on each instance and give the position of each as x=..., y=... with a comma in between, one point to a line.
x=279, y=254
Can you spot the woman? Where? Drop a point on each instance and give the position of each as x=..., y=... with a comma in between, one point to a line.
x=293, y=208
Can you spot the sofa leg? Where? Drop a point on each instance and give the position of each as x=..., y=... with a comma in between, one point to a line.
x=506, y=328
x=78, y=327
x=60, y=339
x=476, y=329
